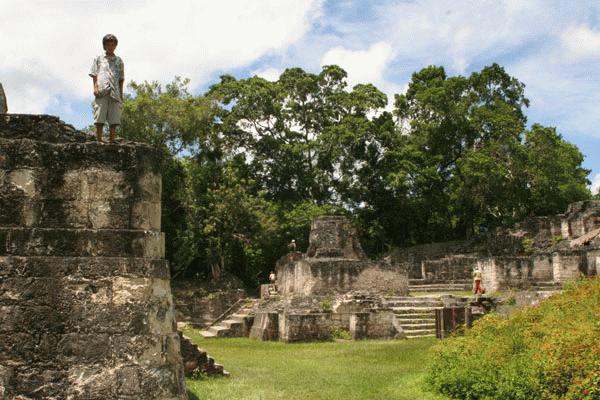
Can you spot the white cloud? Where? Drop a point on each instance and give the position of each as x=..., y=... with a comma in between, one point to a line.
x=48, y=46
x=362, y=66
x=270, y=74
x=581, y=43
x=596, y=184
x=457, y=34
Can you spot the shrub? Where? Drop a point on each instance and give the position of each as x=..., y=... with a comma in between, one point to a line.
x=337, y=332
x=327, y=305
x=550, y=351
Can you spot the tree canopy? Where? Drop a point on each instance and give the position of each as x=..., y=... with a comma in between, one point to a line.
x=250, y=162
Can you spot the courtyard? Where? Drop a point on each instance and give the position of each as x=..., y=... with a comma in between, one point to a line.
x=350, y=370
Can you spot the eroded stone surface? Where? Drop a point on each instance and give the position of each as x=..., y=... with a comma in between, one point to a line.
x=85, y=304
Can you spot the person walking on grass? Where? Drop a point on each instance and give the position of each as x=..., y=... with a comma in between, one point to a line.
x=108, y=75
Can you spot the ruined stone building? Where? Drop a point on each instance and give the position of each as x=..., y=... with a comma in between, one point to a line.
x=86, y=310
x=538, y=253
x=331, y=286
x=334, y=286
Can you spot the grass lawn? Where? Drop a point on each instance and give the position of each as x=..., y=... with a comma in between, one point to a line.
x=382, y=370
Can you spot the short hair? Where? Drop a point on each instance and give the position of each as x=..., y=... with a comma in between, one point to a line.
x=109, y=38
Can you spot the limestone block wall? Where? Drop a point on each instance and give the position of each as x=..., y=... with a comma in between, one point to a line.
x=566, y=266
x=86, y=310
x=581, y=217
x=454, y=268
x=332, y=236
x=338, y=276
x=304, y=327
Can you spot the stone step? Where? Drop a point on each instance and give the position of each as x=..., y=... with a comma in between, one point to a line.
x=403, y=321
x=414, y=303
x=546, y=285
x=88, y=267
x=119, y=213
x=410, y=298
x=420, y=335
x=236, y=328
x=81, y=242
x=415, y=310
x=417, y=326
x=421, y=332
x=219, y=330
x=439, y=288
x=416, y=315
x=208, y=335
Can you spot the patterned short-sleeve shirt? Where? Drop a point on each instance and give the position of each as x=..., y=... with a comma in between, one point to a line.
x=109, y=70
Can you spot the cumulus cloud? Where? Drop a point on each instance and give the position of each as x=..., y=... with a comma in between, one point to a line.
x=270, y=74
x=363, y=66
x=48, y=47
x=457, y=34
x=581, y=43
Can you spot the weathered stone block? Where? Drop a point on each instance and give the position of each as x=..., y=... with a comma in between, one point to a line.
x=304, y=327
x=266, y=326
x=81, y=243
x=85, y=304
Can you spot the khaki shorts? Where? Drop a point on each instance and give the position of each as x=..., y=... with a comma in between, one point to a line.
x=107, y=110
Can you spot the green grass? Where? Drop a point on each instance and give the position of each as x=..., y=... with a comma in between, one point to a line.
x=383, y=370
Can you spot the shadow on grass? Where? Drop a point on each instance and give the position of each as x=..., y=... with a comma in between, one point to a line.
x=192, y=396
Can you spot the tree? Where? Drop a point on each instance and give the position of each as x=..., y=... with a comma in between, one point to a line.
x=463, y=132
x=555, y=177
x=169, y=117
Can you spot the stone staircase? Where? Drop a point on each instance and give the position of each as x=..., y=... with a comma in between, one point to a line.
x=416, y=315
x=420, y=285
x=197, y=358
x=550, y=286
x=237, y=323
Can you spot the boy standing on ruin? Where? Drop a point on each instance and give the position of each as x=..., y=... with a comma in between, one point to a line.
x=108, y=75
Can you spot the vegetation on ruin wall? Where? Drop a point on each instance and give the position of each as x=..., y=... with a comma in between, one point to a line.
x=250, y=162
x=349, y=370
x=551, y=351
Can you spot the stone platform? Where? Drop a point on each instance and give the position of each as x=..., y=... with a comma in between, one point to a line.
x=86, y=310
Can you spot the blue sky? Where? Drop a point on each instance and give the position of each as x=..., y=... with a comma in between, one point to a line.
x=551, y=46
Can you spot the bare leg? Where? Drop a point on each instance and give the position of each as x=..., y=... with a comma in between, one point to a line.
x=113, y=133
x=99, y=128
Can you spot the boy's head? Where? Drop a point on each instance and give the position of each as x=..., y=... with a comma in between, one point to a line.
x=109, y=42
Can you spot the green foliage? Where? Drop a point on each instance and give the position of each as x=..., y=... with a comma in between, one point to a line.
x=248, y=164
x=198, y=375
x=550, y=351
x=326, y=305
x=527, y=244
x=339, y=333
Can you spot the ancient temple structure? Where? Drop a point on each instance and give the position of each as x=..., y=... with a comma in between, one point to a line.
x=540, y=253
x=333, y=286
x=86, y=310
x=336, y=264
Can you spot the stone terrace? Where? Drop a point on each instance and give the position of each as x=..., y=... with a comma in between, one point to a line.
x=86, y=310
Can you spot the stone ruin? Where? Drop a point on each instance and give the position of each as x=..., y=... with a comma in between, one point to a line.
x=86, y=310
x=333, y=286
x=540, y=253
x=335, y=264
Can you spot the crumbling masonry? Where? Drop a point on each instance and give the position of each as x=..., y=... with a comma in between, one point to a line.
x=85, y=303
